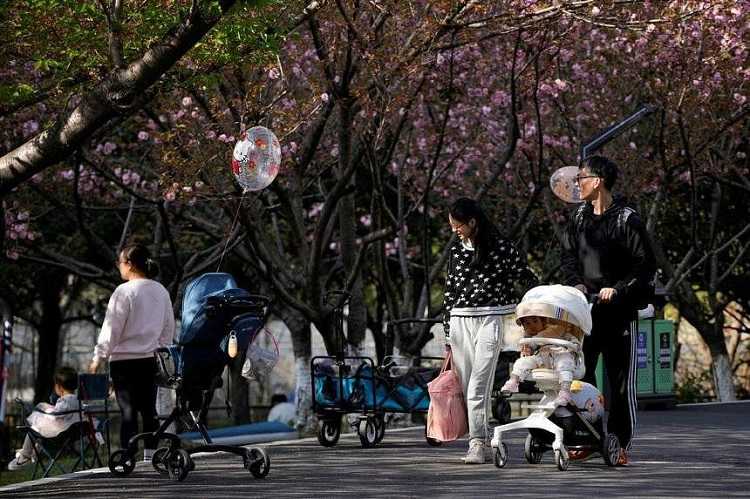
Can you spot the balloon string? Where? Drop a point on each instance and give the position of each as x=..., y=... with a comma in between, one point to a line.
x=231, y=230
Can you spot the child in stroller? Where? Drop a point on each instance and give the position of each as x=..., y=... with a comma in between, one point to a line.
x=539, y=320
x=570, y=414
x=218, y=319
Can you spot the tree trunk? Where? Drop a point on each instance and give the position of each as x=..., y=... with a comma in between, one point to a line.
x=302, y=346
x=240, y=391
x=120, y=94
x=721, y=367
x=356, y=323
x=49, y=337
x=723, y=377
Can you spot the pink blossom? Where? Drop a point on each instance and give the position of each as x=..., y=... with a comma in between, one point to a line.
x=142, y=135
x=739, y=99
x=561, y=84
x=169, y=196
x=108, y=148
x=366, y=220
x=273, y=74
x=30, y=127
x=187, y=101
x=210, y=135
x=324, y=97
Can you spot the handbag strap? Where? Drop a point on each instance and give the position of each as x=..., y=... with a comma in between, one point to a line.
x=448, y=362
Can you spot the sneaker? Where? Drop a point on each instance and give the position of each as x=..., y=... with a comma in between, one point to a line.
x=623, y=459
x=510, y=386
x=563, y=398
x=477, y=453
x=148, y=454
x=19, y=462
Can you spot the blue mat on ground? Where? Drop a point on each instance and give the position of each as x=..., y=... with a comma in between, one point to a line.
x=266, y=431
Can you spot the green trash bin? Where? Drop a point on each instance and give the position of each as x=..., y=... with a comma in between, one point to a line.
x=654, y=361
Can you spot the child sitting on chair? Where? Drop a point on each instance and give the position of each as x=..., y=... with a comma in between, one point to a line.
x=50, y=420
x=560, y=358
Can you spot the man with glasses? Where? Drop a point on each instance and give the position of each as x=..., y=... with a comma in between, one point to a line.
x=607, y=255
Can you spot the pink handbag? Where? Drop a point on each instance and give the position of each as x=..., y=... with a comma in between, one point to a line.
x=446, y=417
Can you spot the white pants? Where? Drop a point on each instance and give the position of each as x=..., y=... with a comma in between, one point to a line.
x=475, y=342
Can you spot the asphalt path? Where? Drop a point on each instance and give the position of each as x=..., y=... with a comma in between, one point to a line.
x=689, y=451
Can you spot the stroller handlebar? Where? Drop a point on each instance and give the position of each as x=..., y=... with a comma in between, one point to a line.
x=253, y=303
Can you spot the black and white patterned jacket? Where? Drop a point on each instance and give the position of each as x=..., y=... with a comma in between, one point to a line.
x=489, y=288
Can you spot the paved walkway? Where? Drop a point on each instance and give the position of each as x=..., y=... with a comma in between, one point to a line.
x=690, y=451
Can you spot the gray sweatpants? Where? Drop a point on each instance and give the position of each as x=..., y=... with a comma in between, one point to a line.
x=475, y=342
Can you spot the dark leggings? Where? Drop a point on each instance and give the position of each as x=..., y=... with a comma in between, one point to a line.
x=613, y=336
x=135, y=389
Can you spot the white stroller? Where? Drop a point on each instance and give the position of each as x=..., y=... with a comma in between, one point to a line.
x=581, y=425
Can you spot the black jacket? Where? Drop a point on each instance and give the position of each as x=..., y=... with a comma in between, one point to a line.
x=611, y=250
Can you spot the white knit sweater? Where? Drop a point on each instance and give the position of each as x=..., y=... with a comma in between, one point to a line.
x=139, y=320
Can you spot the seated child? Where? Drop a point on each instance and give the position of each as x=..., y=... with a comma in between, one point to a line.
x=50, y=420
x=561, y=359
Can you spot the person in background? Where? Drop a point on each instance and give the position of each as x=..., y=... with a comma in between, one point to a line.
x=282, y=410
x=139, y=320
x=50, y=420
x=607, y=254
x=484, y=270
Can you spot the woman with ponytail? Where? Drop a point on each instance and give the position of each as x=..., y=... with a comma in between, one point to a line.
x=484, y=272
x=139, y=320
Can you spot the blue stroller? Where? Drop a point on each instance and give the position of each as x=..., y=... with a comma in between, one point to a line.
x=213, y=311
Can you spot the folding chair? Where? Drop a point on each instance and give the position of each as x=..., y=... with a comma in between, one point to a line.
x=93, y=401
x=80, y=440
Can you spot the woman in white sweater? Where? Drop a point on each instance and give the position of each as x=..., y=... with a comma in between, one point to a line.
x=139, y=320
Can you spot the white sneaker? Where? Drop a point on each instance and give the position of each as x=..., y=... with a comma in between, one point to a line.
x=18, y=462
x=148, y=454
x=477, y=453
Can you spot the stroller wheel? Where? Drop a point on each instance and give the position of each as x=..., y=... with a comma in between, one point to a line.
x=379, y=428
x=257, y=462
x=611, y=449
x=329, y=432
x=178, y=464
x=532, y=450
x=500, y=455
x=367, y=432
x=158, y=460
x=561, y=459
x=121, y=463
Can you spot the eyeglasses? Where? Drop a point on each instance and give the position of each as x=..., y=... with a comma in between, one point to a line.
x=581, y=177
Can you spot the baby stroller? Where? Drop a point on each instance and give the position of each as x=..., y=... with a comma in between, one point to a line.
x=580, y=425
x=213, y=311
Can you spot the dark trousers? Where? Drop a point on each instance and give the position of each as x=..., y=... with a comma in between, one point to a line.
x=613, y=335
x=135, y=388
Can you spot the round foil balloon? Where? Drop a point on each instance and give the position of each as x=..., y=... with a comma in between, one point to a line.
x=564, y=185
x=256, y=158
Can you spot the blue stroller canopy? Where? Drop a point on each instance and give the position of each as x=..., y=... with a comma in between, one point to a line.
x=196, y=293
